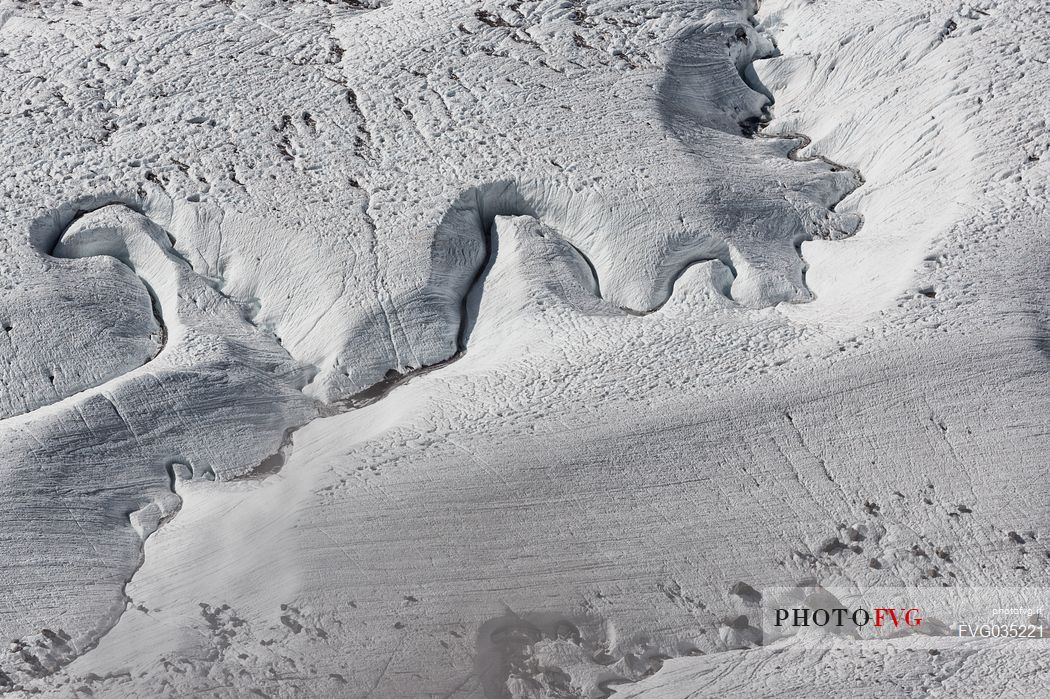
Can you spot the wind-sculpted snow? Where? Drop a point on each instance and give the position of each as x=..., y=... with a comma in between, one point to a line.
x=400, y=114
x=114, y=326
x=688, y=186
x=538, y=284
x=489, y=349
x=87, y=478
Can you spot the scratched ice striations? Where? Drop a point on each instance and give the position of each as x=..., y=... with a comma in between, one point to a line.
x=506, y=348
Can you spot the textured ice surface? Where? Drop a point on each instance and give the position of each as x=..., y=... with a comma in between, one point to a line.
x=483, y=348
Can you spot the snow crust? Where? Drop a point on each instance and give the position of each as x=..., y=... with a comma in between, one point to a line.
x=484, y=348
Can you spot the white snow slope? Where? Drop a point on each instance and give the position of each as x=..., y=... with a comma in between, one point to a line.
x=482, y=348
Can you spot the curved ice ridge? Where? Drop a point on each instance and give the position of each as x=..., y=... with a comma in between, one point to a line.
x=120, y=232
x=207, y=335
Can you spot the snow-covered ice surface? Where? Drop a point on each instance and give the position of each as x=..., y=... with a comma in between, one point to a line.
x=483, y=348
